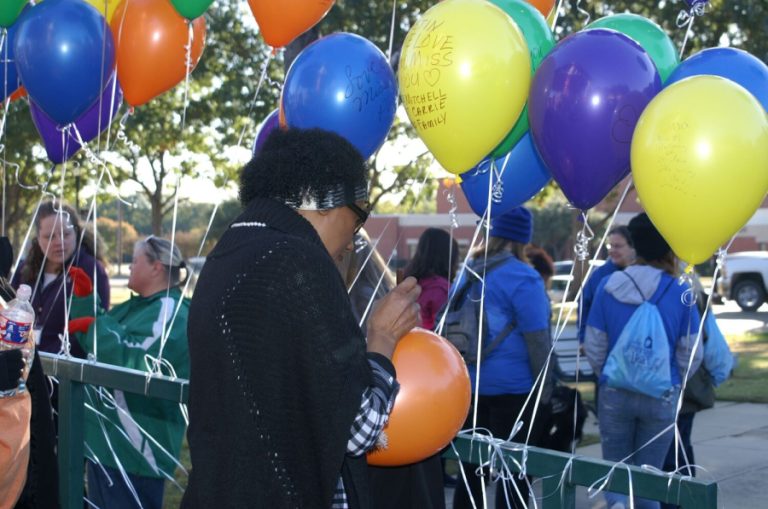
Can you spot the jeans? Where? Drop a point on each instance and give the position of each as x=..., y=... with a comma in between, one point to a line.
x=685, y=426
x=628, y=421
x=118, y=495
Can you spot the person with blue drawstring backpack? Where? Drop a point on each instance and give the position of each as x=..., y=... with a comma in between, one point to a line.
x=699, y=393
x=639, y=340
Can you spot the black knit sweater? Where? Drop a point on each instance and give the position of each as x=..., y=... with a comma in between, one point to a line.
x=278, y=368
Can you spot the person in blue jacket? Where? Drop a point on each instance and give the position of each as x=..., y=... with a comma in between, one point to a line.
x=515, y=300
x=621, y=254
x=634, y=427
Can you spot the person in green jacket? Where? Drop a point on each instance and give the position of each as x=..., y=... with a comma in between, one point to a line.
x=130, y=432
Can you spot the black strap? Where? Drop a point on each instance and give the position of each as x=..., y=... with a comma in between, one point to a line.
x=641, y=292
x=499, y=337
x=488, y=267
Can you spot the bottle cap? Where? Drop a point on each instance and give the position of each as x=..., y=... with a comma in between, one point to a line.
x=24, y=292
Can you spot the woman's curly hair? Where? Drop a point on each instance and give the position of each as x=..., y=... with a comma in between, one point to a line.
x=296, y=163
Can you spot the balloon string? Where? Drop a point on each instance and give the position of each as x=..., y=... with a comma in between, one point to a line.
x=583, y=238
x=96, y=161
x=264, y=69
x=688, y=32
x=392, y=31
x=556, y=17
x=450, y=196
x=583, y=13
x=188, y=63
x=122, y=137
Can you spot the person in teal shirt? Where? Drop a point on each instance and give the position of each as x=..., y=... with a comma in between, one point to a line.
x=125, y=431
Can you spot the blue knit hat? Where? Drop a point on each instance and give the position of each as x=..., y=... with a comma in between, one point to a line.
x=516, y=225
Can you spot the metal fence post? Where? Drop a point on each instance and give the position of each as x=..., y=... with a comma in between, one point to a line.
x=71, y=439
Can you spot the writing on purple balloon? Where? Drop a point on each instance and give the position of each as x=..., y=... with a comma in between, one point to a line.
x=624, y=124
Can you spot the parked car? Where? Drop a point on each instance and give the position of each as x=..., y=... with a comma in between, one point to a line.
x=743, y=279
x=564, y=272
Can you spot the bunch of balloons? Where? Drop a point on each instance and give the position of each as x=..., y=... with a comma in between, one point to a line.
x=77, y=58
x=611, y=98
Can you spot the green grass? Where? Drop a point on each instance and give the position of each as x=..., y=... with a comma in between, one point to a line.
x=172, y=499
x=747, y=384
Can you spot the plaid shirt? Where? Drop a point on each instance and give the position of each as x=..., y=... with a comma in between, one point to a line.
x=375, y=408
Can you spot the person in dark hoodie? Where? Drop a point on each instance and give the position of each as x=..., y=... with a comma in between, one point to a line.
x=633, y=424
x=286, y=394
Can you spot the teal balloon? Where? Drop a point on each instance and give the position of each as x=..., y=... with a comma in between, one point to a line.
x=540, y=42
x=191, y=9
x=647, y=34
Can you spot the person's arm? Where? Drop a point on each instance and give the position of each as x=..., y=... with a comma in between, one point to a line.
x=375, y=406
x=126, y=347
x=595, y=335
x=531, y=310
x=394, y=315
x=687, y=341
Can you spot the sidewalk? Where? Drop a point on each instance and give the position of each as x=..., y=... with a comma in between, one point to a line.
x=730, y=442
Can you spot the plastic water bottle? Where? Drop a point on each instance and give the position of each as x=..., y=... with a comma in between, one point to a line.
x=16, y=322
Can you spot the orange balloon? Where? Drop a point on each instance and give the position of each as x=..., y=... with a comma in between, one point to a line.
x=150, y=47
x=432, y=403
x=543, y=6
x=281, y=21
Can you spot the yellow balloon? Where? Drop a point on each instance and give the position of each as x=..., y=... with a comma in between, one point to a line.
x=105, y=7
x=700, y=163
x=464, y=74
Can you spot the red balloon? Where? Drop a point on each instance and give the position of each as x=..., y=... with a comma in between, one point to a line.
x=281, y=21
x=432, y=403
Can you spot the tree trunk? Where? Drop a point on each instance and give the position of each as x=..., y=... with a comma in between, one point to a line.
x=157, y=214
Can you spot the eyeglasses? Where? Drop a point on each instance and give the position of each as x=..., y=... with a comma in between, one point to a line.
x=361, y=213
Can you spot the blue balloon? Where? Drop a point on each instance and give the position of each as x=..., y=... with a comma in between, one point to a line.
x=65, y=56
x=734, y=64
x=517, y=177
x=342, y=83
x=9, y=77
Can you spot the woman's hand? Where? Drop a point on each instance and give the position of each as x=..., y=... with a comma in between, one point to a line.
x=393, y=317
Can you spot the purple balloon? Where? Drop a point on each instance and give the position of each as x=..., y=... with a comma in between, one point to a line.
x=586, y=98
x=90, y=124
x=271, y=123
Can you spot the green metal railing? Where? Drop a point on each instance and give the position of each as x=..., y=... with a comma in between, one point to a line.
x=559, y=491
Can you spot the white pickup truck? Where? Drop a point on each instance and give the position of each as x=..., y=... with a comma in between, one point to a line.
x=743, y=279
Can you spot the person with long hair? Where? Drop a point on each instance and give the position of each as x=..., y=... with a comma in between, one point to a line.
x=366, y=276
x=517, y=311
x=147, y=332
x=433, y=265
x=60, y=242
x=636, y=427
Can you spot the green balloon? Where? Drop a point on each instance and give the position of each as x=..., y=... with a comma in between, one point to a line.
x=647, y=34
x=9, y=11
x=191, y=9
x=540, y=42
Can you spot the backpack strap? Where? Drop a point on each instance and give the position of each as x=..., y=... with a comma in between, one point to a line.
x=637, y=287
x=500, y=337
x=661, y=295
x=488, y=267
